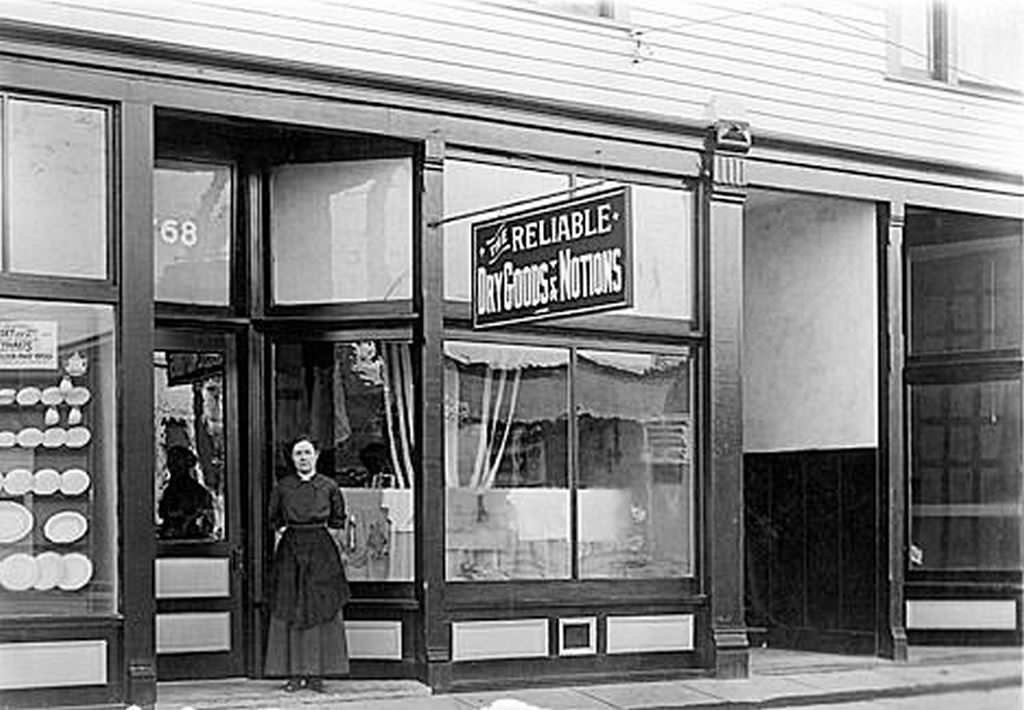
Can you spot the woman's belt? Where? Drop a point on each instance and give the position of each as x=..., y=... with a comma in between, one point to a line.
x=306, y=526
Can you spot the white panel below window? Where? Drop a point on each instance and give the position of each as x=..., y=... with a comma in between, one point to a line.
x=53, y=664
x=645, y=634
x=200, y=632
x=374, y=639
x=192, y=577
x=512, y=638
x=981, y=614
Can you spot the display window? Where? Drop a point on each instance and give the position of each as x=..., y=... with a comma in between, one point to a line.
x=57, y=188
x=663, y=228
x=517, y=463
x=58, y=459
x=356, y=399
x=341, y=231
x=192, y=208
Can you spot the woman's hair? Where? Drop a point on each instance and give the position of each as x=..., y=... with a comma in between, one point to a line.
x=300, y=438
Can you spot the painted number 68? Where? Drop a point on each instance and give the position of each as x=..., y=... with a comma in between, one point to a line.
x=171, y=231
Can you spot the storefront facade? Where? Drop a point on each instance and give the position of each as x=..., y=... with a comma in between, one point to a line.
x=246, y=250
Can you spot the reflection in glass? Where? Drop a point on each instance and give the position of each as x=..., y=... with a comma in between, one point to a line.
x=341, y=231
x=635, y=453
x=356, y=399
x=74, y=368
x=57, y=183
x=192, y=233
x=506, y=462
x=190, y=445
x=966, y=483
x=663, y=242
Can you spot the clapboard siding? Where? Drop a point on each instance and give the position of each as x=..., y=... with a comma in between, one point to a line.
x=813, y=73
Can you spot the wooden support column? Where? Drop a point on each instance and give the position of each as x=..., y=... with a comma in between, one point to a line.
x=435, y=651
x=135, y=349
x=723, y=195
x=892, y=471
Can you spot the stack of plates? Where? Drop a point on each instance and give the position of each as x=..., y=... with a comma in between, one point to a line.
x=47, y=482
x=7, y=395
x=77, y=437
x=21, y=571
x=51, y=396
x=54, y=437
x=28, y=396
x=77, y=396
x=7, y=439
x=30, y=437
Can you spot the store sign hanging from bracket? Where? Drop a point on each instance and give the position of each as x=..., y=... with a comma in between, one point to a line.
x=551, y=262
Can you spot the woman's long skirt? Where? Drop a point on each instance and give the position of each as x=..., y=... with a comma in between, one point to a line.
x=308, y=590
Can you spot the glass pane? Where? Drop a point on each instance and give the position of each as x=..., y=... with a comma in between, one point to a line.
x=192, y=233
x=635, y=456
x=966, y=477
x=58, y=199
x=662, y=231
x=506, y=462
x=988, y=37
x=190, y=445
x=342, y=231
x=965, y=296
x=58, y=459
x=914, y=35
x=356, y=399
x=477, y=186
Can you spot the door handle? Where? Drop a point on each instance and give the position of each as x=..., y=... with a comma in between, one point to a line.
x=237, y=563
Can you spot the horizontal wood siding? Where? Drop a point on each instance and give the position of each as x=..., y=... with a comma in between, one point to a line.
x=816, y=73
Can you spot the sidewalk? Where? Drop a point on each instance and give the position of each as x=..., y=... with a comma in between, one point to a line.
x=778, y=679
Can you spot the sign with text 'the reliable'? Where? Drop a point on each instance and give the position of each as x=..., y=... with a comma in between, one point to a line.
x=570, y=258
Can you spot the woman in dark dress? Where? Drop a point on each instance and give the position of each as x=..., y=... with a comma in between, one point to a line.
x=306, y=639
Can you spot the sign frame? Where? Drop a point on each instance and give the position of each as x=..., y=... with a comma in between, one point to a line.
x=545, y=312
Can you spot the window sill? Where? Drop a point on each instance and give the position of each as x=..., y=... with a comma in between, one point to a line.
x=976, y=91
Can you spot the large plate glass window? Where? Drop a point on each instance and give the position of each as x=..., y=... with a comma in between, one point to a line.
x=192, y=211
x=506, y=462
x=527, y=429
x=663, y=248
x=356, y=399
x=341, y=231
x=58, y=459
x=57, y=160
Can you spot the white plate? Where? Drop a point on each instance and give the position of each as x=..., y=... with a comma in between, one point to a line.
x=7, y=439
x=15, y=521
x=78, y=437
x=47, y=482
x=51, y=396
x=77, y=572
x=50, y=569
x=54, y=437
x=30, y=437
x=65, y=526
x=7, y=395
x=78, y=396
x=28, y=396
x=18, y=572
x=18, y=481
x=74, y=481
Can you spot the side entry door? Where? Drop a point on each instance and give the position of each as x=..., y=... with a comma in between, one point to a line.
x=200, y=567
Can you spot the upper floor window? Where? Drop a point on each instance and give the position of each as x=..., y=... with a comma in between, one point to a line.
x=970, y=45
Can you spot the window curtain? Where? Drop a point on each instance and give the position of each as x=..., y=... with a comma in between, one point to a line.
x=398, y=410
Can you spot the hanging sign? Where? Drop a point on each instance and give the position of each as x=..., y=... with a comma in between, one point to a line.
x=28, y=345
x=571, y=258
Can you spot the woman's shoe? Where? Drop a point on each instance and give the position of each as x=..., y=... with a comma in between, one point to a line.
x=316, y=685
x=292, y=685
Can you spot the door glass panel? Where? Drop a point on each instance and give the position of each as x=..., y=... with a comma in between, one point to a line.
x=192, y=233
x=966, y=477
x=190, y=446
x=356, y=400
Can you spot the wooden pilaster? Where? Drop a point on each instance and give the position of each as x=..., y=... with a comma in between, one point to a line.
x=723, y=196
x=430, y=518
x=892, y=473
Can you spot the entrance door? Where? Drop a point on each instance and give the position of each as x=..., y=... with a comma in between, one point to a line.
x=200, y=563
